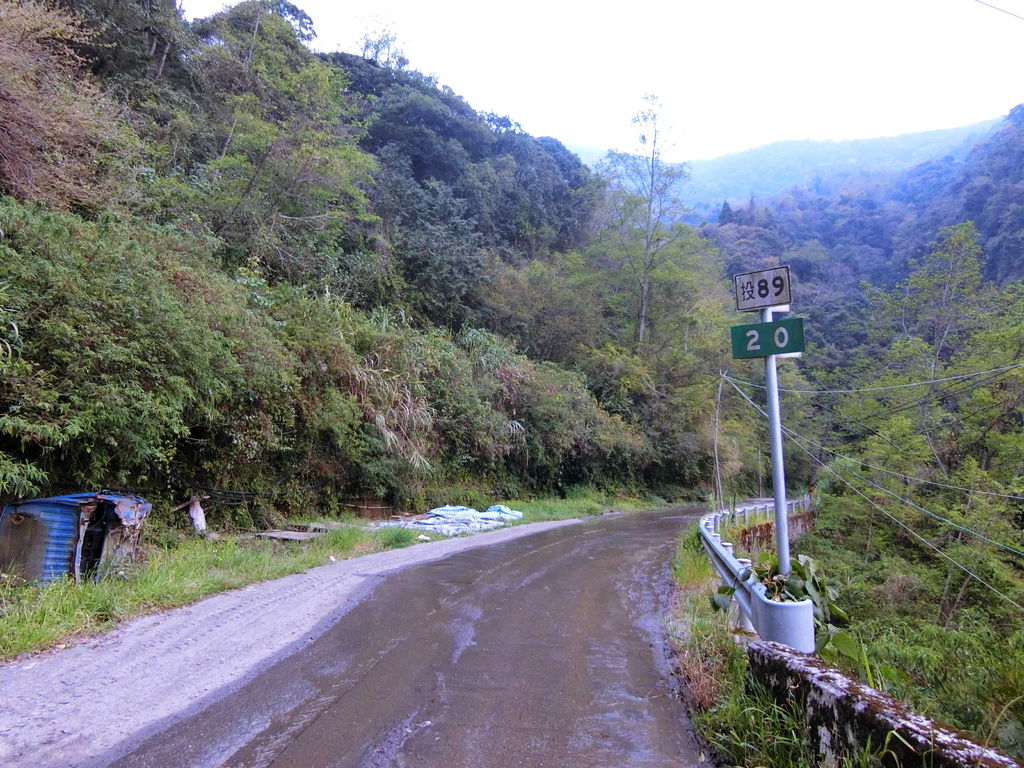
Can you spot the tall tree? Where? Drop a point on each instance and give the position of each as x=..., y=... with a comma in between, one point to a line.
x=133, y=39
x=646, y=210
x=725, y=215
x=936, y=307
x=283, y=176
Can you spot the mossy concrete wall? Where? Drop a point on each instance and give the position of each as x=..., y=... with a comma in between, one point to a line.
x=846, y=717
x=761, y=537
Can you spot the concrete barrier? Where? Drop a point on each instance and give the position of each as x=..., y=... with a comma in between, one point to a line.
x=846, y=717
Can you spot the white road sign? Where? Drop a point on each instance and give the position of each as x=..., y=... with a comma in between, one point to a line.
x=764, y=288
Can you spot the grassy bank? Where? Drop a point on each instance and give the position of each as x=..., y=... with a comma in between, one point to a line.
x=966, y=674
x=177, y=568
x=739, y=724
x=580, y=502
x=927, y=632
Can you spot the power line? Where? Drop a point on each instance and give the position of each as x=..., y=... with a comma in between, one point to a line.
x=877, y=389
x=914, y=533
x=718, y=465
x=1001, y=10
x=797, y=436
x=964, y=416
x=910, y=503
x=900, y=474
x=889, y=471
x=962, y=385
x=957, y=389
x=892, y=517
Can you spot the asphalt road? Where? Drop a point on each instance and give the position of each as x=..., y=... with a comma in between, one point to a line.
x=546, y=650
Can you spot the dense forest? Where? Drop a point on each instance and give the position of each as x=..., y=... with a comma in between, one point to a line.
x=234, y=267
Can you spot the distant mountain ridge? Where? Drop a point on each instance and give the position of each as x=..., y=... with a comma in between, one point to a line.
x=764, y=172
x=770, y=170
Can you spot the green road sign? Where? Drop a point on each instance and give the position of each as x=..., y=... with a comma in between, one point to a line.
x=764, y=339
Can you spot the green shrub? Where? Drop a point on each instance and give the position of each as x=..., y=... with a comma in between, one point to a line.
x=395, y=538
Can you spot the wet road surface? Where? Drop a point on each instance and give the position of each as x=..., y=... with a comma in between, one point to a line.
x=542, y=651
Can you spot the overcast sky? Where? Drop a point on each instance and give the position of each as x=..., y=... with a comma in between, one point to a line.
x=730, y=74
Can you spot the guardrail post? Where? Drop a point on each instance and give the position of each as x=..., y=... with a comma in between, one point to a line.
x=743, y=623
x=791, y=624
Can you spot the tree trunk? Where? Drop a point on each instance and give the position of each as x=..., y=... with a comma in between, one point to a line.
x=642, y=309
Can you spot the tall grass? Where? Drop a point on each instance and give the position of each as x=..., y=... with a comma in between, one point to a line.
x=395, y=538
x=740, y=726
x=580, y=501
x=741, y=723
x=708, y=660
x=749, y=728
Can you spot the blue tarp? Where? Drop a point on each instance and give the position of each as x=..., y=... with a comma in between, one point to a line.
x=46, y=539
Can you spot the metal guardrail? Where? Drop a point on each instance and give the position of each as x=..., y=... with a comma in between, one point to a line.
x=789, y=623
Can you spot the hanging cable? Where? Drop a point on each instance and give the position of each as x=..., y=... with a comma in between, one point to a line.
x=877, y=389
x=908, y=477
x=720, y=501
x=935, y=515
x=910, y=503
x=963, y=416
x=894, y=473
x=911, y=531
x=892, y=517
x=1001, y=10
x=899, y=474
x=958, y=389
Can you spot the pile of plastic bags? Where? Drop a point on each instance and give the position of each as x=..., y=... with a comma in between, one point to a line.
x=452, y=520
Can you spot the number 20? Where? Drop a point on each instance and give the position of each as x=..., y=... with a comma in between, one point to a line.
x=780, y=337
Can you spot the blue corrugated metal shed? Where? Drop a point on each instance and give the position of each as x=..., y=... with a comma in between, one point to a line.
x=46, y=539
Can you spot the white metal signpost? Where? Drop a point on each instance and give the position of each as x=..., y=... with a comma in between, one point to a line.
x=769, y=290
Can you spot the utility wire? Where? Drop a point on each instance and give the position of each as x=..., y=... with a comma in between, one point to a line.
x=1001, y=10
x=900, y=474
x=961, y=417
x=943, y=423
x=957, y=389
x=910, y=503
x=911, y=531
x=892, y=517
x=877, y=389
x=798, y=437
x=718, y=465
x=906, y=477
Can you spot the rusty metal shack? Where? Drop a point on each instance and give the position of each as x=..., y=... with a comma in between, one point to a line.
x=81, y=534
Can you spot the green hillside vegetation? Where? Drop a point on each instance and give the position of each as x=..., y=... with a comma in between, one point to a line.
x=932, y=571
x=919, y=490
x=233, y=267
